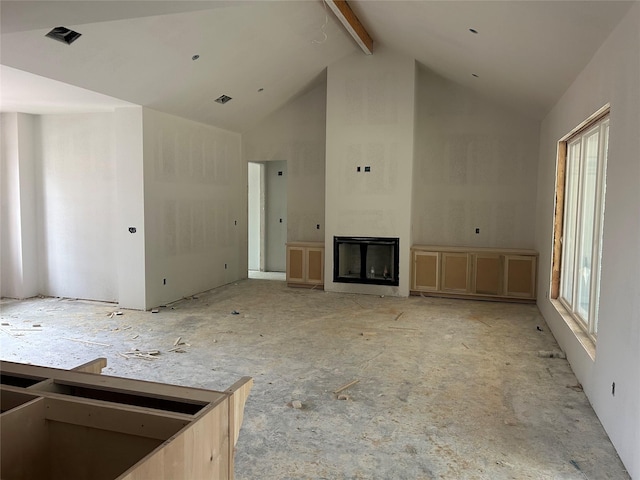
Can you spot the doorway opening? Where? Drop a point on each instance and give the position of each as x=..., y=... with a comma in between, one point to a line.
x=267, y=215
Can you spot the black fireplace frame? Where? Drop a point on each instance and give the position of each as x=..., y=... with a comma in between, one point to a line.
x=364, y=243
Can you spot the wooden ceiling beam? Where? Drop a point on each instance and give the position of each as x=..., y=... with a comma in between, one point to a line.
x=343, y=11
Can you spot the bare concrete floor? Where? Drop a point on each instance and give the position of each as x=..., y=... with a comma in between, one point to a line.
x=448, y=389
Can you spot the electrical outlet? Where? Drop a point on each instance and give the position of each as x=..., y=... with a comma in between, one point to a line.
x=477, y=231
x=367, y=169
x=164, y=281
x=318, y=226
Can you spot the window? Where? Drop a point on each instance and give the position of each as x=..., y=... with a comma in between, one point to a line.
x=582, y=161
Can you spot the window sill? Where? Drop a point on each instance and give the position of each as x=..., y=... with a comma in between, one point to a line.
x=585, y=340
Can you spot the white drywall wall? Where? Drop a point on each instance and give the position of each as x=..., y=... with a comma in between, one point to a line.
x=130, y=246
x=10, y=230
x=475, y=167
x=296, y=133
x=195, y=207
x=370, y=122
x=18, y=258
x=76, y=196
x=275, y=216
x=28, y=206
x=612, y=76
x=255, y=215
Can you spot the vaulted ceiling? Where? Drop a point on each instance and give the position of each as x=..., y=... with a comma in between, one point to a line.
x=263, y=53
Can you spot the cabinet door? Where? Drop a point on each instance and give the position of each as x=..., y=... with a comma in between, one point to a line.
x=487, y=274
x=520, y=276
x=315, y=265
x=426, y=271
x=295, y=265
x=455, y=272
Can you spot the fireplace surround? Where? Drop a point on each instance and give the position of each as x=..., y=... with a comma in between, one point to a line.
x=366, y=260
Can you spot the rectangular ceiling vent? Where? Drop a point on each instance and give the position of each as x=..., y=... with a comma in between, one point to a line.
x=223, y=99
x=64, y=35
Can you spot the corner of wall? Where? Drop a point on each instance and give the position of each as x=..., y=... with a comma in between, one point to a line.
x=130, y=222
x=611, y=76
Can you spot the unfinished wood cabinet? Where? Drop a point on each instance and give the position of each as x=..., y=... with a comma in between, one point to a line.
x=61, y=424
x=295, y=264
x=425, y=273
x=487, y=274
x=455, y=272
x=305, y=264
x=484, y=273
x=520, y=276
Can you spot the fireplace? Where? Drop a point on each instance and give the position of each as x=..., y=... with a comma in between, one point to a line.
x=366, y=260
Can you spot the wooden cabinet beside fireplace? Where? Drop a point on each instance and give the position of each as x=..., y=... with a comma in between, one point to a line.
x=305, y=264
x=483, y=273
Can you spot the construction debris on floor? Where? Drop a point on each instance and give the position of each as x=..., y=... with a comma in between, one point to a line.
x=431, y=388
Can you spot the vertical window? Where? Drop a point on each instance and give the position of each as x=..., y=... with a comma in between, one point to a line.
x=583, y=161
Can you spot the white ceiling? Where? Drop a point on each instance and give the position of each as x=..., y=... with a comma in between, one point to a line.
x=28, y=93
x=525, y=55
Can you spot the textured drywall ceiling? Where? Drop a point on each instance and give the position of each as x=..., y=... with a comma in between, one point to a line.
x=243, y=47
x=525, y=54
x=28, y=93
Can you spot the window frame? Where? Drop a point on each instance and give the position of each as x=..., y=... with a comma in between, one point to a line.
x=599, y=121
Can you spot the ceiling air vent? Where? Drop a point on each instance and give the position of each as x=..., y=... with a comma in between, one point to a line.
x=64, y=35
x=223, y=99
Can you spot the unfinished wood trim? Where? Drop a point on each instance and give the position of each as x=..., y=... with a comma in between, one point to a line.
x=115, y=384
x=238, y=393
x=470, y=250
x=561, y=167
x=306, y=244
x=8, y=389
x=24, y=434
x=77, y=452
x=558, y=219
x=352, y=24
x=12, y=399
x=116, y=418
x=310, y=286
x=593, y=118
x=92, y=366
x=198, y=451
